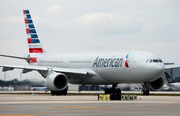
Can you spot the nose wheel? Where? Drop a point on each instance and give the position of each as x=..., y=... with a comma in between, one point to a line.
x=145, y=92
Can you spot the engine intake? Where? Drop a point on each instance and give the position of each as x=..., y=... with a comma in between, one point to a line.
x=56, y=81
x=155, y=85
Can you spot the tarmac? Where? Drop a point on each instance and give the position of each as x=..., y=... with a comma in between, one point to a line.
x=86, y=105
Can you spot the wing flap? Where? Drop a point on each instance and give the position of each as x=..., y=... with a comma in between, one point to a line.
x=7, y=69
x=10, y=56
x=26, y=70
x=67, y=70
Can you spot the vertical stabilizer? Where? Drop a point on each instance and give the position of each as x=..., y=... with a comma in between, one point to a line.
x=169, y=78
x=32, y=36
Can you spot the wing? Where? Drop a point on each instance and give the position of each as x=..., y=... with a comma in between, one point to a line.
x=81, y=73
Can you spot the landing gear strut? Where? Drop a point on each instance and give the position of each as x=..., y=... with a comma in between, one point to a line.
x=58, y=93
x=113, y=90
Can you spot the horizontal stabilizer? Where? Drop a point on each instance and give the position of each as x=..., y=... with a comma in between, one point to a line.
x=10, y=56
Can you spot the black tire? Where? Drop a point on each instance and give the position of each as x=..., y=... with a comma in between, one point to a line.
x=53, y=93
x=64, y=92
x=143, y=92
x=58, y=93
x=111, y=91
x=107, y=91
x=118, y=91
x=147, y=92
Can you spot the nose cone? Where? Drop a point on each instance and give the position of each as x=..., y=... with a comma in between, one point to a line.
x=158, y=69
x=155, y=70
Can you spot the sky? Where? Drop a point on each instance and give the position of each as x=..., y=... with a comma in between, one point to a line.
x=90, y=25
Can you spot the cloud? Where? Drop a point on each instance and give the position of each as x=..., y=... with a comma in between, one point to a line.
x=107, y=23
x=10, y=24
x=55, y=10
x=11, y=33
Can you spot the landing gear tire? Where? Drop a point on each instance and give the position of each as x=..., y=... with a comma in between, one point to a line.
x=58, y=93
x=53, y=93
x=145, y=92
x=113, y=90
x=107, y=91
x=118, y=91
x=64, y=92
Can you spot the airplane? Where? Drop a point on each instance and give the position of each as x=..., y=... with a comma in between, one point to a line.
x=171, y=83
x=39, y=88
x=98, y=68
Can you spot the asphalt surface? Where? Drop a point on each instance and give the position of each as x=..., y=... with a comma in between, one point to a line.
x=47, y=105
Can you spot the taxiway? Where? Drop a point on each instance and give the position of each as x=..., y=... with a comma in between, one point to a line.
x=47, y=105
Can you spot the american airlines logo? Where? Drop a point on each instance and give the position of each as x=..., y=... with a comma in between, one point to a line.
x=108, y=62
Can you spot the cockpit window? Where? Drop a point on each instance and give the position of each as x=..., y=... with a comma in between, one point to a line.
x=154, y=61
x=149, y=61
x=160, y=61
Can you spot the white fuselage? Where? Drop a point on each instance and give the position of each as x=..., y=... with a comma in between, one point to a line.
x=174, y=86
x=108, y=68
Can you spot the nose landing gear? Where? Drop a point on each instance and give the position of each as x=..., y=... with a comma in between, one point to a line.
x=145, y=91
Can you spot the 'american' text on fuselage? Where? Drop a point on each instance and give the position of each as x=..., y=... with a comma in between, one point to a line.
x=108, y=62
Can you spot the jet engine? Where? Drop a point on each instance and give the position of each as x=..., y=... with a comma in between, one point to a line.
x=56, y=81
x=155, y=85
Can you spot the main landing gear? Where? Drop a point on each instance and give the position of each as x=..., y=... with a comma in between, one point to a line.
x=58, y=93
x=113, y=90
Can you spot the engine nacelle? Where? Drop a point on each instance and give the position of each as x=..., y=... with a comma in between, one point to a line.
x=155, y=85
x=56, y=81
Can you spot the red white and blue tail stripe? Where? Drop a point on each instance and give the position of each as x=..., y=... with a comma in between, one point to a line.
x=32, y=37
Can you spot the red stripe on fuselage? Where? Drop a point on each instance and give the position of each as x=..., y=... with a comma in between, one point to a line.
x=33, y=60
x=126, y=64
x=35, y=50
